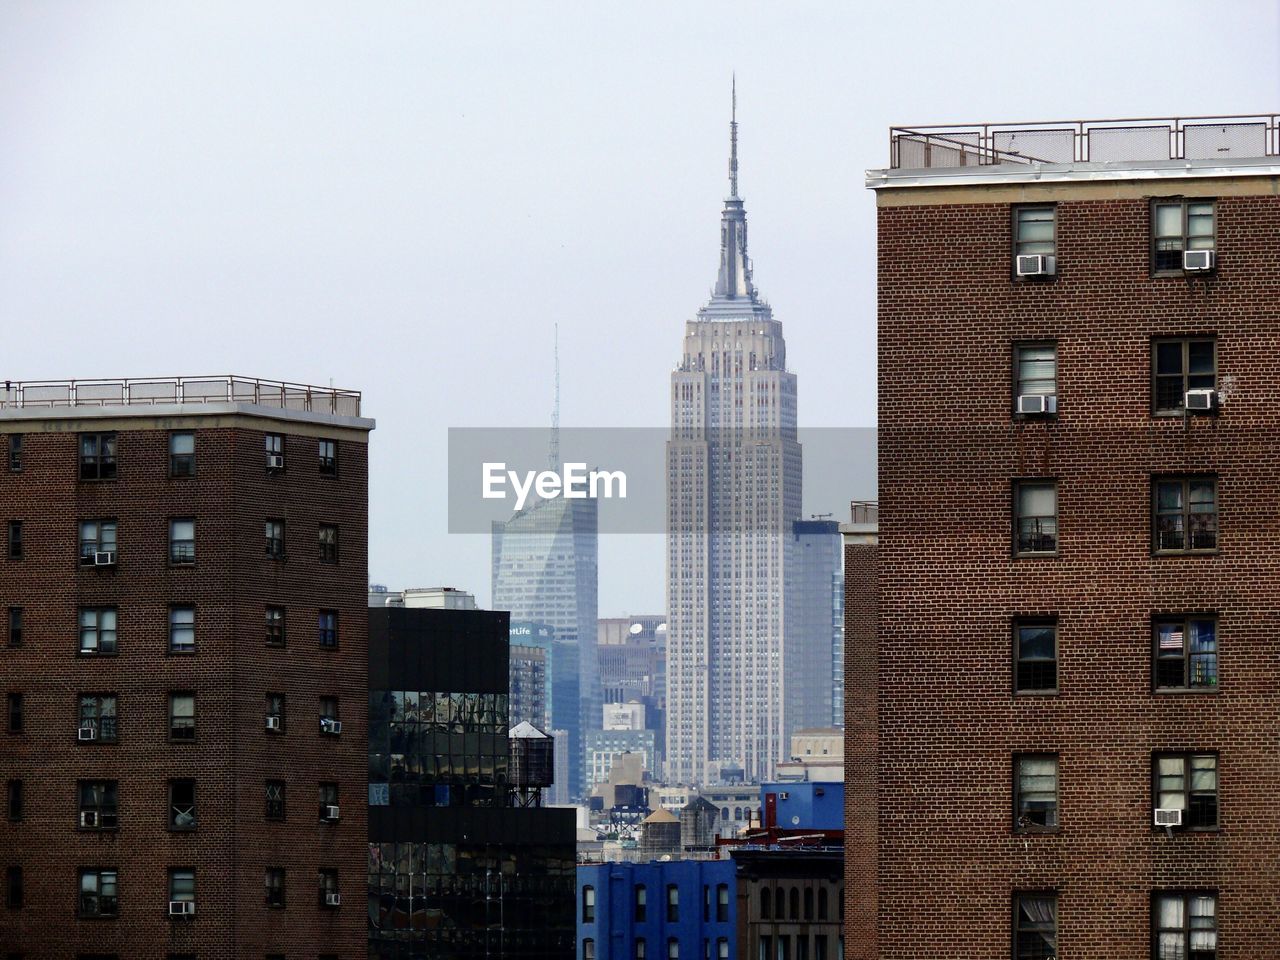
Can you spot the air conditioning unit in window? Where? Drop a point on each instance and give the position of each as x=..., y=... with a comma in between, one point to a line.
x=273, y=722
x=1198, y=261
x=275, y=461
x=333, y=899
x=88, y=818
x=1168, y=817
x=331, y=812
x=330, y=725
x=1201, y=401
x=1036, y=265
x=88, y=733
x=1037, y=403
x=182, y=908
x=104, y=558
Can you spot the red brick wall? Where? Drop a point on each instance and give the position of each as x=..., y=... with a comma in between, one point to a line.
x=861, y=593
x=948, y=722
x=229, y=584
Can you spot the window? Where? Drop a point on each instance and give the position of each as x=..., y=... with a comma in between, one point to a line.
x=329, y=458
x=274, y=445
x=275, y=626
x=588, y=949
x=274, y=878
x=1035, y=517
x=1188, y=782
x=182, y=716
x=98, y=807
x=1033, y=231
x=1186, y=924
x=1035, y=375
x=706, y=903
x=823, y=906
x=327, y=628
x=722, y=949
x=1035, y=799
x=14, y=806
x=1186, y=650
x=820, y=947
x=15, y=540
x=1035, y=645
x=673, y=903
x=722, y=903
x=588, y=904
x=97, y=542
x=182, y=629
x=329, y=722
x=274, y=531
x=329, y=887
x=13, y=888
x=1035, y=926
x=766, y=904
x=15, y=452
x=329, y=808
x=182, y=885
x=98, y=893
x=182, y=454
x=1186, y=514
x=642, y=949
x=642, y=903
x=182, y=804
x=97, y=630
x=275, y=708
x=275, y=800
x=15, y=627
x=795, y=904
x=766, y=948
x=97, y=456
x=328, y=543
x=182, y=540
x=673, y=949
x=808, y=903
x=98, y=715
x=1178, y=366
x=1176, y=226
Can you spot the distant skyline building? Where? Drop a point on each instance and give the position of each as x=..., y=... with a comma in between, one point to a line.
x=733, y=491
x=814, y=652
x=545, y=570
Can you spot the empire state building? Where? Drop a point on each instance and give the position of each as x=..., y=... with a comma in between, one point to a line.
x=733, y=491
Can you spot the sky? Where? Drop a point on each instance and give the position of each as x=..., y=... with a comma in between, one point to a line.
x=407, y=198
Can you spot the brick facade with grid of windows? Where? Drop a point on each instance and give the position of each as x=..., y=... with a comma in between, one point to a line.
x=1077, y=615
x=160, y=797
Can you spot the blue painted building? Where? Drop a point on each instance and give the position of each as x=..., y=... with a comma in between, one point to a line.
x=661, y=910
x=804, y=805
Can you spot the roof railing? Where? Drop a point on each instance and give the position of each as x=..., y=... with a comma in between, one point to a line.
x=153, y=391
x=1246, y=136
x=864, y=511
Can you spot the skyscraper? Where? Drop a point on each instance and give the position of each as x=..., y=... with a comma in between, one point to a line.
x=733, y=490
x=814, y=653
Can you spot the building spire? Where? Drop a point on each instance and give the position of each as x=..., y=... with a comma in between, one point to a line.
x=555, y=409
x=733, y=140
x=734, y=279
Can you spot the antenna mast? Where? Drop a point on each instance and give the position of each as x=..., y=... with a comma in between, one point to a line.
x=733, y=141
x=555, y=409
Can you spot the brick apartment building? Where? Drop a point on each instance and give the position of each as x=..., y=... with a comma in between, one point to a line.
x=1079, y=379
x=184, y=668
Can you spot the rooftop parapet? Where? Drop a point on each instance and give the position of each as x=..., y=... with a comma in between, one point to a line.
x=1137, y=140
x=163, y=391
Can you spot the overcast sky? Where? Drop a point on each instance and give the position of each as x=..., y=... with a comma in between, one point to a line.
x=405, y=197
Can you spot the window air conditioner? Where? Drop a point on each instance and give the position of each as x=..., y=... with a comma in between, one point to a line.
x=273, y=721
x=182, y=908
x=1168, y=817
x=330, y=725
x=331, y=812
x=88, y=818
x=1198, y=261
x=104, y=558
x=1036, y=265
x=88, y=733
x=275, y=461
x=1034, y=403
x=1201, y=401
x=333, y=899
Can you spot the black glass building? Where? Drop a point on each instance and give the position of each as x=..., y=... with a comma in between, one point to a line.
x=457, y=868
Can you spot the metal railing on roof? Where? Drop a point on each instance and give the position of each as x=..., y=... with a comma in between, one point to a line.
x=153, y=391
x=864, y=511
x=1248, y=136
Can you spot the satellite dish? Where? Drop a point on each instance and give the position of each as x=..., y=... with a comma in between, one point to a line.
x=636, y=628
x=795, y=821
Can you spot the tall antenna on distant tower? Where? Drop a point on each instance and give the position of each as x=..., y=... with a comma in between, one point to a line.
x=733, y=141
x=555, y=410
